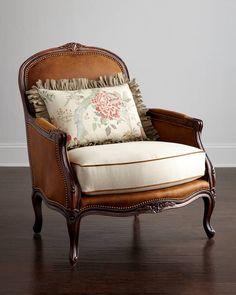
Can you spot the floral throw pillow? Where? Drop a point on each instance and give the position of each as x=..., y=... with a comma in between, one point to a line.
x=38, y=107
x=94, y=116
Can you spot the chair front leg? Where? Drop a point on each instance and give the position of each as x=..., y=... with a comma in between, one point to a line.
x=37, y=205
x=209, y=204
x=73, y=230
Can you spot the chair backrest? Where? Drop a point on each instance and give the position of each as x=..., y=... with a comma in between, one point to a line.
x=72, y=60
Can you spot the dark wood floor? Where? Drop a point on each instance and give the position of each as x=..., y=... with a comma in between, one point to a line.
x=168, y=254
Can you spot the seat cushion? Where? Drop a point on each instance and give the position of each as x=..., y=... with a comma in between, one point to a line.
x=135, y=166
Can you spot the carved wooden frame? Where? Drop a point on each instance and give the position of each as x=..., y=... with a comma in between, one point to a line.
x=71, y=211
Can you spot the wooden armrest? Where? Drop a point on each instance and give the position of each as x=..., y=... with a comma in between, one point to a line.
x=177, y=127
x=51, y=170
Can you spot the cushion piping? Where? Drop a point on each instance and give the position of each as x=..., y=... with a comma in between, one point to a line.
x=134, y=162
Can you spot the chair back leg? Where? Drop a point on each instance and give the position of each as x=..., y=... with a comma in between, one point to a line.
x=37, y=205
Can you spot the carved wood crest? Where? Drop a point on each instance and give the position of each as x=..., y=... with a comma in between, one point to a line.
x=72, y=46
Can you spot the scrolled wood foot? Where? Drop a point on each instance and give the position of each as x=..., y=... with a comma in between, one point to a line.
x=209, y=204
x=37, y=205
x=73, y=230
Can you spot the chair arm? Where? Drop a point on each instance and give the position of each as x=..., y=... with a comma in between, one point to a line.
x=177, y=127
x=180, y=128
x=51, y=171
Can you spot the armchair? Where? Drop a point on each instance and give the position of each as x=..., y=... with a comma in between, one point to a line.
x=54, y=177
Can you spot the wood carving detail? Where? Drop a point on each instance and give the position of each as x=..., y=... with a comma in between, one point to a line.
x=156, y=207
x=72, y=46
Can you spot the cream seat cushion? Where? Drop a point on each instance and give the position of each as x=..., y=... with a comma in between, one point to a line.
x=135, y=166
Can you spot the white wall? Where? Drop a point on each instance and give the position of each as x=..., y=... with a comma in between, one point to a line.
x=183, y=54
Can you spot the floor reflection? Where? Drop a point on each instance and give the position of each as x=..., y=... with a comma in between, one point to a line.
x=148, y=267
x=136, y=234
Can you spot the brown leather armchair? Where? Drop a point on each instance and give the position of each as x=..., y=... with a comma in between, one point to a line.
x=53, y=178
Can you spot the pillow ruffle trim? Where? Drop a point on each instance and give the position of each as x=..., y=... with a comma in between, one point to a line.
x=83, y=83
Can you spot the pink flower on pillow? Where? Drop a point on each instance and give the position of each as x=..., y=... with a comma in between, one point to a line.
x=68, y=138
x=107, y=105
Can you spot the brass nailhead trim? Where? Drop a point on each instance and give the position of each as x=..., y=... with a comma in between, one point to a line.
x=140, y=204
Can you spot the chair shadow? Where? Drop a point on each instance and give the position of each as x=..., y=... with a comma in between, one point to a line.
x=38, y=252
x=136, y=242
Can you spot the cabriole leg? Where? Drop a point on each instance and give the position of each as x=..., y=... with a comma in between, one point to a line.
x=73, y=230
x=209, y=204
x=37, y=205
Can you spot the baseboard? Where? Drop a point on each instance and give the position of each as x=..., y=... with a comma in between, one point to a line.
x=15, y=154
x=222, y=155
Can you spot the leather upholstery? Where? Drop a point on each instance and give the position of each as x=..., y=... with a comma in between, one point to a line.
x=71, y=65
x=131, y=199
x=176, y=127
x=44, y=124
x=47, y=172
